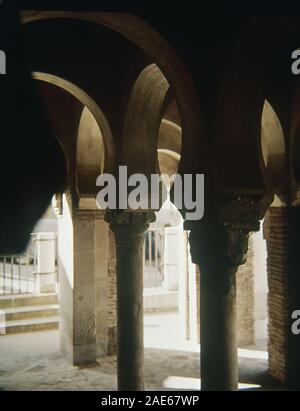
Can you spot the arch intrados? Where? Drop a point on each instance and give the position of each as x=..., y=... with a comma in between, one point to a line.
x=272, y=145
x=156, y=47
x=92, y=106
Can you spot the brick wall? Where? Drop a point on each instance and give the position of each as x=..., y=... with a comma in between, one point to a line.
x=282, y=231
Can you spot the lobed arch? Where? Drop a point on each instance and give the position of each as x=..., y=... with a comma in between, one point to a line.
x=94, y=139
x=169, y=147
x=296, y=155
x=90, y=153
x=168, y=161
x=295, y=136
x=173, y=69
x=272, y=147
x=147, y=102
x=170, y=136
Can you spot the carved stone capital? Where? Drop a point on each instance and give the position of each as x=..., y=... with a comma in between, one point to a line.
x=125, y=217
x=129, y=222
x=225, y=243
x=241, y=213
x=224, y=236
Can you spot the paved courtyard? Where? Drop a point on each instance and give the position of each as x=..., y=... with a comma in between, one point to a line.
x=33, y=361
x=40, y=366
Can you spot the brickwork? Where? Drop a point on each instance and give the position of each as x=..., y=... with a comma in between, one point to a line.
x=282, y=234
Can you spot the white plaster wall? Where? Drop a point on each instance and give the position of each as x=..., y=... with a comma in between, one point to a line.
x=66, y=280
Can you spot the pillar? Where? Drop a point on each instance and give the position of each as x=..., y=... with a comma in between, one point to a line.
x=84, y=286
x=174, y=260
x=45, y=244
x=129, y=229
x=282, y=232
x=189, y=297
x=105, y=289
x=111, y=325
x=219, y=247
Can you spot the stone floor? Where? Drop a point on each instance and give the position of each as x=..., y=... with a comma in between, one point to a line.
x=33, y=361
x=40, y=366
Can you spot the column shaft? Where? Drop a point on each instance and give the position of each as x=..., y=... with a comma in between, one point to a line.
x=130, y=311
x=219, y=247
x=219, y=370
x=129, y=235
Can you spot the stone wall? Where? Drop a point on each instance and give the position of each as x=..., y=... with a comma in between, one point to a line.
x=112, y=296
x=245, y=299
x=105, y=290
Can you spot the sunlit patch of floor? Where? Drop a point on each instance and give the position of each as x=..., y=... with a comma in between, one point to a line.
x=253, y=354
x=182, y=383
x=185, y=383
x=244, y=386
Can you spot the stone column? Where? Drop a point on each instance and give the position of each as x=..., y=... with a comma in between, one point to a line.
x=129, y=229
x=45, y=244
x=174, y=259
x=84, y=294
x=189, y=297
x=282, y=232
x=219, y=246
